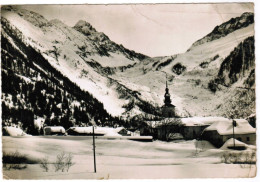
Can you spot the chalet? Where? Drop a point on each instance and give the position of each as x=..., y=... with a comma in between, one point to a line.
x=122, y=131
x=84, y=131
x=54, y=130
x=98, y=131
x=194, y=126
x=13, y=131
x=219, y=132
x=183, y=128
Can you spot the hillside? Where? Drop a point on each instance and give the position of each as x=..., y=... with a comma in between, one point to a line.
x=86, y=59
x=227, y=27
x=36, y=94
x=190, y=75
x=77, y=72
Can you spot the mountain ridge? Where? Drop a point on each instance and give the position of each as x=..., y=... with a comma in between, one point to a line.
x=107, y=45
x=226, y=28
x=130, y=84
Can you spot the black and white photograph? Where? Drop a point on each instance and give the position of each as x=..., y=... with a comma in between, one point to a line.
x=128, y=91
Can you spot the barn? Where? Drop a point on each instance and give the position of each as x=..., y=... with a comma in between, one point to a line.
x=219, y=132
x=54, y=130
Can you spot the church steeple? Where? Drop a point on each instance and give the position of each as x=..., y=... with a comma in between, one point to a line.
x=167, y=96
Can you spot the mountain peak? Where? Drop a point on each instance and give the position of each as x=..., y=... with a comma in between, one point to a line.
x=247, y=14
x=82, y=23
x=227, y=27
x=84, y=27
x=105, y=45
x=30, y=16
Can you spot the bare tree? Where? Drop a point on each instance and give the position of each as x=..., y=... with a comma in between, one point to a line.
x=68, y=161
x=169, y=125
x=60, y=164
x=44, y=163
x=63, y=161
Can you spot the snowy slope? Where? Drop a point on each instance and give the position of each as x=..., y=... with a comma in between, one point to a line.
x=227, y=28
x=86, y=56
x=68, y=50
x=189, y=89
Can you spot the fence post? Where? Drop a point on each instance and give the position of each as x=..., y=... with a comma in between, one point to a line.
x=94, y=151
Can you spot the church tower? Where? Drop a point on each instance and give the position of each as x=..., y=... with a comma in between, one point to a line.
x=167, y=96
x=168, y=110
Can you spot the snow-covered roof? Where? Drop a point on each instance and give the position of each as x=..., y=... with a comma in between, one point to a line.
x=98, y=130
x=226, y=127
x=230, y=143
x=83, y=129
x=118, y=129
x=13, y=131
x=195, y=121
x=55, y=128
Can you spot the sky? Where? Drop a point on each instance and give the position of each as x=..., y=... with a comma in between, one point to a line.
x=151, y=29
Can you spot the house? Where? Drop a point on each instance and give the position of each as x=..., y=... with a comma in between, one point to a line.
x=84, y=131
x=219, y=132
x=98, y=131
x=13, y=131
x=194, y=126
x=54, y=130
x=185, y=128
x=122, y=131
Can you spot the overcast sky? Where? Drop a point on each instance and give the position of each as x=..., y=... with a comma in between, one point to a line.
x=154, y=30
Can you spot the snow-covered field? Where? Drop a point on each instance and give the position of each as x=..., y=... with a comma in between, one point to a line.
x=123, y=159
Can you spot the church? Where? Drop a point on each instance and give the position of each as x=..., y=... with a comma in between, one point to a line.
x=168, y=110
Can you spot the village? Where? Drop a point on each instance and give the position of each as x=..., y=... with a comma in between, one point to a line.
x=216, y=130
x=129, y=91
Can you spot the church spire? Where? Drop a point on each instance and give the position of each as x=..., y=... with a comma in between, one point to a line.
x=166, y=81
x=167, y=96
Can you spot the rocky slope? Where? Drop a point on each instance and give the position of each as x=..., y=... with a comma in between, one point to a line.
x=35, y=94
x=228, y=56
x=85, y=56
x=226, y=28
x=239, y=64
x=103, y=44
x=131, y=84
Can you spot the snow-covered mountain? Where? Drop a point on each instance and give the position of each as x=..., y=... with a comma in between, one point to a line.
x=192, y=76
x=81, y=53
x=103, y=45
x=130, y=83
x=227, y=27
